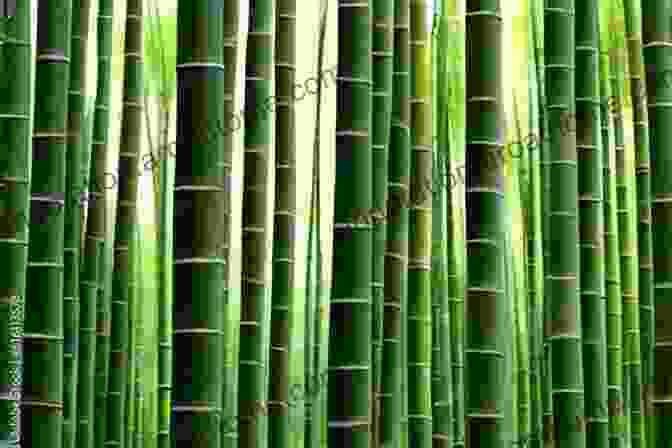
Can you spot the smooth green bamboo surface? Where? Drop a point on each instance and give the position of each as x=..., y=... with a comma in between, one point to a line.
x=456, y=250
x=442, y=379
x=567, y=385
x=612, y=259
x=520, y=201
x=199, y=265
x=404, y=305
x=396, y=245
x=162, y=196
x=591, y=223
x=640, y=120
x=15, y=153
x=534, y=319
x=548, y=420
x=627, y=253
x=420, y=234
x=256, y=282
x=138, y=318
x=103, y=305
x=80, y=122
x=312, y=431
x=126, y=221
x=382, y=41
x=308, y=312
x=486, y=299
x=81, y=418
x=232, y=42
x=442, y=394
x=282, y=294
x=316, y=403
x=349, y=382
x=316, y=391
x=75, y=192
x=534, y=261
x=136, y=278
x=42, y=399
x=138, y=440
x=164, y=310
x=161, y=175
x=657, y=48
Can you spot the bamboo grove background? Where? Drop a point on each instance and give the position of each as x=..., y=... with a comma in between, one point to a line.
x=384, y=223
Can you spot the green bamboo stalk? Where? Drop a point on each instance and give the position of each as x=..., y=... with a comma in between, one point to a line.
x=420, y=230
x=628, y=256
x=442, y=396
x=348, y=420
x=511, y=416
x=309, y=311
x=282, y=293
x=455, y=303
x=519, y=288
x=138, y=441
x=382, y=52
x=103, y=331
x=564, y=309
x=138, y=353
x=633, y=28
x=456, y=250
x=456, y=297
x=85, y=128
x=256, y=281
x=161, y=176
x=154, y=44
x=449, y=73
x=629, y=263
x=591, y=223
x=533, y=254
x=522, y=373
x=15, y=161
x=548, y=421
x=309, y=308
x=92, y=267
x=198, y=266
x=231, y=48
x=396, y=249
x=534, y=269
x=442, y=392
x=103, y=305
x=79, y=134
x=165, y=298
x=126, y=221
x=133, y=303
x=129, y=422
x=657, y=48
x=42, y=388
x=486, y=300
x=75, y=190
x=315, y=394
x=611, y=252
x=317, y=397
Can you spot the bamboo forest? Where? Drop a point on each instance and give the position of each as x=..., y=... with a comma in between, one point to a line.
x=335, y=223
